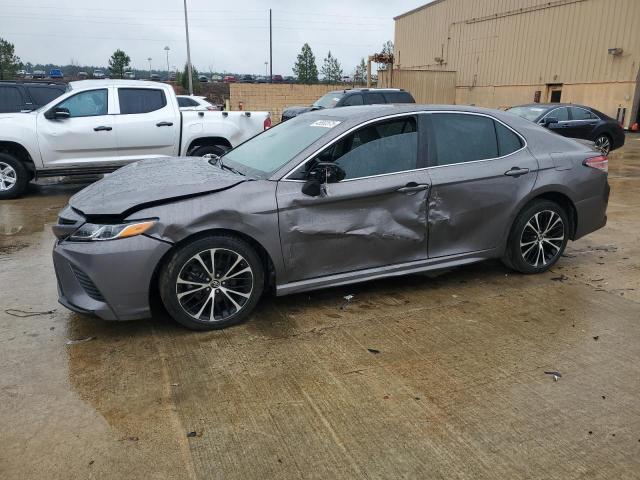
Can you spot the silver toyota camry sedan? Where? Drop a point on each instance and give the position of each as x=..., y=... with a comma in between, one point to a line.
x=326, y=199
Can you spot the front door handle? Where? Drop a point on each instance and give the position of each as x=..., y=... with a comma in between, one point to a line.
x=164, y=124
x=412, y=187
x=516, y=172
x=102, y=128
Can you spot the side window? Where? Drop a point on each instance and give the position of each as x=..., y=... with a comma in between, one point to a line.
x=43, y=95
x=581, y=114
x=87, y=104
x=398, y=97
x=10, y=99
x=562, y=114
x=374, y=98
x=508, y=142
x=353, y=100
x=183, y=102
x=385, y=147
x=140, y=100
x=463, y=138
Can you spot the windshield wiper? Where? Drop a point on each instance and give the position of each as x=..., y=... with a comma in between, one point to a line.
x=230, y=168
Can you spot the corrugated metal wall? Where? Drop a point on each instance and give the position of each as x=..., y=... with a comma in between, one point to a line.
x=425, y=86
x=523, y=42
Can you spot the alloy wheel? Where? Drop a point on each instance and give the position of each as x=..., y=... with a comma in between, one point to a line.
x=542, y=238
x=8, y=177
x=603, y=144
x=214, y=284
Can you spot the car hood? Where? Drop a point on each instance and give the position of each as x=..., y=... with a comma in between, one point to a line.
x=151, y=182
x=293, y=111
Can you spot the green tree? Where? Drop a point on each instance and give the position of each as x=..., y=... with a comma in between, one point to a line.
x=331, y=69
x=305, y=68
x=118, y=63
x=9, y=62
x=387, y=48
x=361, y=72
x=184, y=79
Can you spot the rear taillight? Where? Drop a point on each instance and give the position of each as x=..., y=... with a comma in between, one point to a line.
x=600, y=162
x=267, y=122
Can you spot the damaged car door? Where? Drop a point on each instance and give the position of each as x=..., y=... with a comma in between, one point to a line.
x=480, y=171
x=359, y=203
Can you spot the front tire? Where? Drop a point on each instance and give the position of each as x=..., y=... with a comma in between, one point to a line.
x=538, y=237
x=212, y=283
x=14, y=177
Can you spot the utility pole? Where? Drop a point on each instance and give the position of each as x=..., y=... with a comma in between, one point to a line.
x=270, y=50
x=186, y=29
x=168, y=71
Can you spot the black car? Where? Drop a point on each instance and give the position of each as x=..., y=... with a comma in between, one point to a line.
x=26, y=96
x=352, y=97
x=575, y=121
x=246, y=79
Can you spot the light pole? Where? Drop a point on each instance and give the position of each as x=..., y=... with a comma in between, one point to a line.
x=166, y=49
x=149, y=66
x=266, y=69
x=186, y=29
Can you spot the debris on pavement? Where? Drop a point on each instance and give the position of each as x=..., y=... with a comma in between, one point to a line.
x=16, y=312
x=556, y=375
x=129, y=439
x=194, y=434
x=561, y=278
x=79, y=340
x=596, y=337
x=373, y=350
x=347, y=299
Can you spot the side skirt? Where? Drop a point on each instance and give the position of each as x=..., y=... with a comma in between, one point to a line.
x=384, y=272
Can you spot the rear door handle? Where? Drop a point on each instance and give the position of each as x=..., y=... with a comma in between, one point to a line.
x=412, y=187
x=164, y=124
x=102, y=128
x=516, y=172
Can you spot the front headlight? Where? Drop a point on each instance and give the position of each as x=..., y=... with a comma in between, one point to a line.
x=90, y=232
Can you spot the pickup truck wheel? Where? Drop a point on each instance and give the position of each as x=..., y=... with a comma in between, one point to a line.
x=13, y=177
x=208, y=149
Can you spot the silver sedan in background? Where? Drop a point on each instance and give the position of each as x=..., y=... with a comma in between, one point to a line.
x=328, y=198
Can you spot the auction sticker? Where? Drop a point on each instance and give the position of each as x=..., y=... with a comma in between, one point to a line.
x=325, y=123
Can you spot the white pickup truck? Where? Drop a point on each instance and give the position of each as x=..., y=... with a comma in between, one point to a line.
x=98, y=126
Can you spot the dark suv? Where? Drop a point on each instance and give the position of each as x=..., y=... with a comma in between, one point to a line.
x=352, y=97
x=27, y=96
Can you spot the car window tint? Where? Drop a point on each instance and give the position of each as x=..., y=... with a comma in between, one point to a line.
x=386, y=147
x=10, y=99
x=353, y=100
x=374, y=98
x=140, y=100
x=398, y=97
x=508, y=142
x=581, y=114
x=87, y=104
x=463, y=138
x=43, y=95
x=562, y=114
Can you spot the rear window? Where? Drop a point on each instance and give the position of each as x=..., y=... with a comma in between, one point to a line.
x=140, y=100
x=399, y=97
x=10, y=99
x=43, y=95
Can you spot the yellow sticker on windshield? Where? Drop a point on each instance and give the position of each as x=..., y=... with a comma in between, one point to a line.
x=325, y=123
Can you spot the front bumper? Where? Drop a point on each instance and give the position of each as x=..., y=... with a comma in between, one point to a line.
x=110, y=279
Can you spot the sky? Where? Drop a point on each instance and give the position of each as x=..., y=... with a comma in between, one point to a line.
x=231, y=36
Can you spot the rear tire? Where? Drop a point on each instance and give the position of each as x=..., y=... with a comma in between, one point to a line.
x=538, y=237
x=218, y=150
x=205, y=296
x=14, y=177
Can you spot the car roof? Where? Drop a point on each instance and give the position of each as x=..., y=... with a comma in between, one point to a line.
x=82, y=84
x=552, y=105
x=358, y=90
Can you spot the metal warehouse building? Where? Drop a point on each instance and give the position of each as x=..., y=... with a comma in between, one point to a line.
x=507, y=52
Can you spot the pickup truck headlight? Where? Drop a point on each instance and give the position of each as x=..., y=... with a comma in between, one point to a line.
x=92, y=232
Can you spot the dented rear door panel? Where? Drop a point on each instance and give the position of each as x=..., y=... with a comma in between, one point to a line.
x=358, y=224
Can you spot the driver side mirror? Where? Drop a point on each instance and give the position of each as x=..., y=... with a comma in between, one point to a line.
x=321, y=174
x=549, y=121
x=57, y=113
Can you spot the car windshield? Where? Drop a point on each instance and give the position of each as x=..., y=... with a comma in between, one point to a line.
x=269, y=151
x=329, y=100
x=528, y=112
